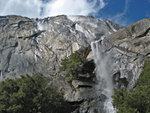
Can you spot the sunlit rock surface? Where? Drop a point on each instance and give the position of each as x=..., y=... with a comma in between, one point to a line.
x=129, y=47
x=29, y=46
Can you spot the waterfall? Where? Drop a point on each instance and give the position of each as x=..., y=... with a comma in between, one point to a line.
x=103, y=69
x=27, y=66
x=1, y=76
x=35, y=55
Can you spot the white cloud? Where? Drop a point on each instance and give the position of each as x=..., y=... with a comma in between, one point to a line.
x=29, y=8
x=37, y=8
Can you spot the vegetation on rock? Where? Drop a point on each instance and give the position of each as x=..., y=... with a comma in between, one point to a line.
x=136, y=100
x=31, y=95
x=73, y=65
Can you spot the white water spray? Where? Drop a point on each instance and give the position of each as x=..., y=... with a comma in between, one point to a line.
x=35, y=55
x=1, y=76
x=103, y=69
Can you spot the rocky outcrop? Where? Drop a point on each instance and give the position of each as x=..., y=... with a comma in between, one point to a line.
x=30, y=46
x=85, y=94
x=129, y=47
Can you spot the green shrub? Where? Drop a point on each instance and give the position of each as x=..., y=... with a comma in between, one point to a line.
x=73, y=64
x=138, y=99
x=31, y=95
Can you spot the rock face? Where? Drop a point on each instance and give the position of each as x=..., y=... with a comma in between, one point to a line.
x=129, y=48
x=29, y=46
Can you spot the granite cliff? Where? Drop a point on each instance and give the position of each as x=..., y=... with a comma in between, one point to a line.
x=29, y=46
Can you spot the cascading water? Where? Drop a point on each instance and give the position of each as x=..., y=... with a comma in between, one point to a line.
x=103, y=69
x=1, y=76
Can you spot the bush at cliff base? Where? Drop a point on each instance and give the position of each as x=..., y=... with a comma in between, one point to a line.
x=136, y=100
x=31, y=95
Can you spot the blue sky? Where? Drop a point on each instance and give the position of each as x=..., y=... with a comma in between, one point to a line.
x=123, y=12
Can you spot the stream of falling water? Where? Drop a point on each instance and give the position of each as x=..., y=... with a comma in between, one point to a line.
x=103, y=69
x=1, y=76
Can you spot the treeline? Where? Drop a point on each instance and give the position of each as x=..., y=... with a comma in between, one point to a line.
x=31, y=95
